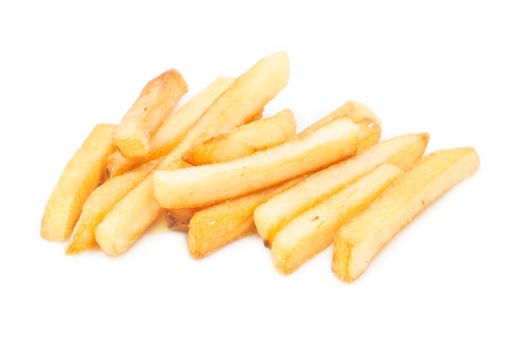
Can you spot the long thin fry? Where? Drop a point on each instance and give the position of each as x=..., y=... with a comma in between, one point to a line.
x=358, y=242
x=82, y=174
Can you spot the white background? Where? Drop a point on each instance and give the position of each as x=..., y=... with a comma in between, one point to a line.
x=453, y=279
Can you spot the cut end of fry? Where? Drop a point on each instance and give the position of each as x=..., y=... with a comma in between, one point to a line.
x=314, y=230
x=82, y=174
x=244, y=140
x=158, y=98
x=357, y=243
x=367, y=121
x=196, y=187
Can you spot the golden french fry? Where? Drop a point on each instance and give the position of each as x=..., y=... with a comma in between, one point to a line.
x=82, y=174
x=364, y=117
x=314, y=230
x=158, y=98
x=244, y=140
x=402, y=151
x=358, y=242
x=99, y=203
x=179, y=219
x=213, y=227
x=174, y=128
x=208, y=184
x=132, y=215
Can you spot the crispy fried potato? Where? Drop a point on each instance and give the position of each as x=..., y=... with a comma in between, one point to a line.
x=402, y=151
x=158, y=98
x=364, y=117
x=132, y=215
x=244, y=140
x=179, y=219
x=100, y=202
x=174, y=128
x=314, y=230
x=82, y=175
x=213, y=227
x=209, y=184
x=359, y=241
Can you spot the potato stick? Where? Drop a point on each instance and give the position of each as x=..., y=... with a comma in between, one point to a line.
x=179, y=219
x=174, y=128
x=132, y=215
x=364, y=117
x=314, y=230
x=213, y=227
x=82, y=174
x=158, y=98
x=402, y=151
x=244, y=140
x=100, y=202
x=207, y=184
x=358, y=242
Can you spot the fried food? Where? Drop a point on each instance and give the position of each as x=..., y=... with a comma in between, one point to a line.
x=82, y=174
x=402, y=151
x=209, y=184
x=158, y=98
x=314, y=230
x=244, y=140
x=359, y=241
x=174, y=128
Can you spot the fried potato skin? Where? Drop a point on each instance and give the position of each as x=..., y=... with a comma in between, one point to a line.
x=358, y=242
x=82, y=174
x=173, y=129
x=193, y=187
x=244, y=140
x=314, y=230
x=158, y=98
x=179, y=219
x=402, y=151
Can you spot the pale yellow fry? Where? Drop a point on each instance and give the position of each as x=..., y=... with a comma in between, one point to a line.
x=359, y=241
x=207, y=184
x=132, y=215
x=314, y=230
x=244, y=140
x=82, y=174
x=363, y=116
x=158, y=98
x=99, y=203
x=402, y=151
x=174, y=128
x=213, y=227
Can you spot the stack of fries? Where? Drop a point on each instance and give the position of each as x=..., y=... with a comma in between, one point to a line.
x=220, y=172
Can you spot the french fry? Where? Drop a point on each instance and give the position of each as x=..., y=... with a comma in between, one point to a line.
x=209, y=184
x=179, y=219
x=402, y=151
x=244, y=140
x=174, y=128
x=82, y=174
x=358, y=242
x=213, y=227
x=158, y=98
x=132, y=215
x=99, y=203
x=364, y=117
x=314, y=230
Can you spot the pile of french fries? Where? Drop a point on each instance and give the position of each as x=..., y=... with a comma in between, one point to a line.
x=219, y=171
